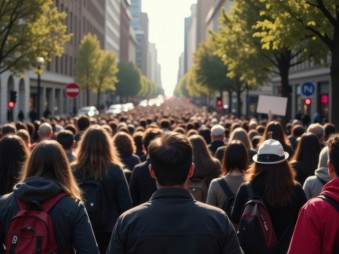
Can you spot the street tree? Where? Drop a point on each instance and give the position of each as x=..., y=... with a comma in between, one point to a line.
x=211, y=72
x=129, y=80
x=107, y=73
x=181, y=87
x=28, y=30
x=148, y=88
x=87, y=64
x=241, y=49
x=314, y=21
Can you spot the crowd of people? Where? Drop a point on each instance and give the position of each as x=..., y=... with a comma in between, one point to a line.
x=126, y=178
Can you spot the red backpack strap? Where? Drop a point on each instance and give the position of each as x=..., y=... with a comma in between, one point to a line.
x=49, y=203
x=22, y=205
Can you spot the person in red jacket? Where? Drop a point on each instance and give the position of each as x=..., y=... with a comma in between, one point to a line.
x=317, y=228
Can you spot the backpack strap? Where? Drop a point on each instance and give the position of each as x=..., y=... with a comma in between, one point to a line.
x=250, y=190
x=330, y=200
x=321, y=180
x=47, y=205
x=225, y=187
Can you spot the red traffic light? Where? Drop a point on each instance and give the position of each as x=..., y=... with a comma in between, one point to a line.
x=11, y=104
x=219, y=102
x=307, y=101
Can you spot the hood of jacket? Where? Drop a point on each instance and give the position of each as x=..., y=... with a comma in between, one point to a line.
x=37, y=189
x=322, y=173
x=331, y=189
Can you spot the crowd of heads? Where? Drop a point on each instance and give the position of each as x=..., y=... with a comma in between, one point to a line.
x=93, y=142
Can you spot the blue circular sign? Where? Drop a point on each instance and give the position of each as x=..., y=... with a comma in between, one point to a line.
x=307, y=89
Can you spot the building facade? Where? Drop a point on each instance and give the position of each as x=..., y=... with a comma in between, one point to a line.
x=99, y=17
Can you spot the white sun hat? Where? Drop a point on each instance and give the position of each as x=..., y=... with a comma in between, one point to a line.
x=270, y=152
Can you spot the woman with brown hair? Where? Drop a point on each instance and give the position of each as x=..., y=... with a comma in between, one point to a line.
x=234, y=165
x=46, y=174
x=13, y=154
x=272, y=180
x=306, y=156
x=206, y=166
x=97, y=164
x=275, y=131
x=240, y=134
x=124, y=143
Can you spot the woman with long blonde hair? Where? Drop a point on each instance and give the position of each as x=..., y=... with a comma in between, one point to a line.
x=46, y=174
x=96, y=161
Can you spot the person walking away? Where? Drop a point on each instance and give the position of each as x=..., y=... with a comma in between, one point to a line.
x=99, y=173
x=272, y=180
x=172, y=221
x=317, y=228
x=45, y=174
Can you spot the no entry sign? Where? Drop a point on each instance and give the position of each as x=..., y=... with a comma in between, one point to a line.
x=72, y=90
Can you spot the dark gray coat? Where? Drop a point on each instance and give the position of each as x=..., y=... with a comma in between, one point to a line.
x=70, y=220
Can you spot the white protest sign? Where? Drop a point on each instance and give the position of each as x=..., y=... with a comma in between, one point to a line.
x=275, y=105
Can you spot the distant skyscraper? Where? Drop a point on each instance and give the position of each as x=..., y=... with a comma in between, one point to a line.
x=112, y=26
x=140, y=24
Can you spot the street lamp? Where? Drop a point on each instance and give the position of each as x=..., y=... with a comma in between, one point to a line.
x=40, y=62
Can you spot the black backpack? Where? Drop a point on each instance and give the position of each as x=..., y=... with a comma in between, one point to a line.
x=229, y=202
x=256, y=232
x=96, y=202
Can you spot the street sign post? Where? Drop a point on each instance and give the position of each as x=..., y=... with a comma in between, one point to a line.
x=72, y=90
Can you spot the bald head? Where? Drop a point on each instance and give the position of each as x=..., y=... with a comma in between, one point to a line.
x=45, y=131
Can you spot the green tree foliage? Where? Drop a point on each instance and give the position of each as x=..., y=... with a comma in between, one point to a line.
x=181, y=87
x=87, y=64
x=107, y=73
x=209, y=69
x=129, y=80
x=313, y=21
x=30, y=29
x=148, y=88
x=240, y=46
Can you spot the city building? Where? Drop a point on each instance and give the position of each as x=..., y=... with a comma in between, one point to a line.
x=104, y=18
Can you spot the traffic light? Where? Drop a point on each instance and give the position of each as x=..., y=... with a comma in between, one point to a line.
x=307, y=101
x=11, y=104
x=13, y=96
x=219, y=101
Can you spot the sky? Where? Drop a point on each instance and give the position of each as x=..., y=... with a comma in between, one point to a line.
x=166, y=30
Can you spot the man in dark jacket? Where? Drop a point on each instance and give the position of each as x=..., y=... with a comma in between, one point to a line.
x=172, y=221
x=142, y=185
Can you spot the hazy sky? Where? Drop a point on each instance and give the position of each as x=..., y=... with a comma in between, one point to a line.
x=166, y=30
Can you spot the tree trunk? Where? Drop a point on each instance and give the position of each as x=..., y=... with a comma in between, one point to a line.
x=239, y=103
x=285, y=92
x=284, y=68
x=98, y=97
x=334, y=92
x=230, y=102
x=87, y=95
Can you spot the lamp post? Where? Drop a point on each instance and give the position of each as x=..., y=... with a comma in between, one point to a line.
x=40, y=62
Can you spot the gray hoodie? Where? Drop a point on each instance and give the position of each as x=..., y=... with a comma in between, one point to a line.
x=313, y=185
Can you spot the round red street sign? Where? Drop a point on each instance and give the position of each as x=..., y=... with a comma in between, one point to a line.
x=72, y=90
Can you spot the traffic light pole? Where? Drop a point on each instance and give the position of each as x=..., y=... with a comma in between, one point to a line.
x=38, y=96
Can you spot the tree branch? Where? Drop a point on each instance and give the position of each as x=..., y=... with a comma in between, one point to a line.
x=323, y=9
